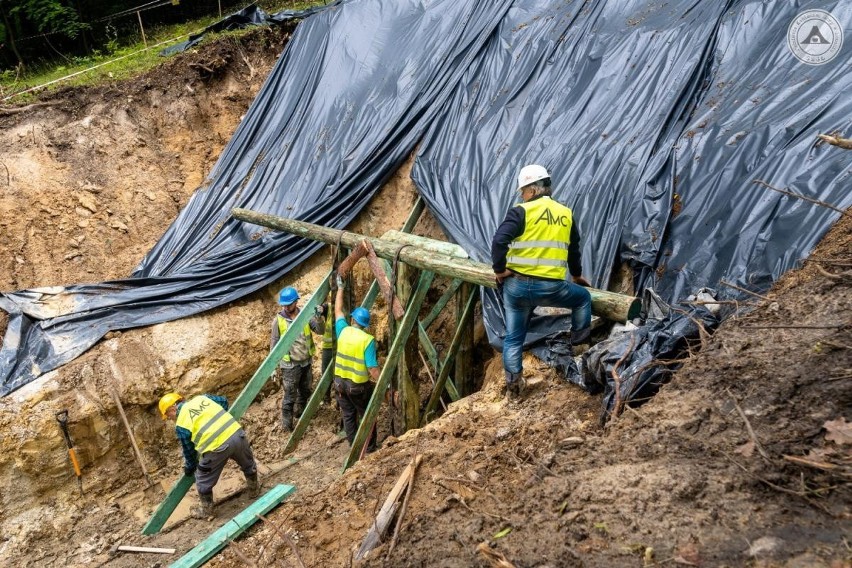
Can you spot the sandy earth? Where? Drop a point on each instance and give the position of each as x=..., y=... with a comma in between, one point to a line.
x=742, y=460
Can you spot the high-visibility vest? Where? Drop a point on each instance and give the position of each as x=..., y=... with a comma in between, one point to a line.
x=283, y=324
x=542, y=249
x=328, y=336
x=351, y=346
x=210, y=424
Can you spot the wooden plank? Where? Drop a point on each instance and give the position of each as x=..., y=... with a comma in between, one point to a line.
x=426, y=343
x=389, y=507
x=463, y=364
x=208, y=548
x=441, y=303
x=610, y=305
x=167, y=506
x=448, y=361
x=406, y=325
x=147, y=549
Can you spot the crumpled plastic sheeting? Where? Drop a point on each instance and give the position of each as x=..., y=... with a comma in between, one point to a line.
x=351, y=95
x=643, y=356
x=653, y=118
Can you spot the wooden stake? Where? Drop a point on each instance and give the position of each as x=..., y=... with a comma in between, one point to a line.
x=463, y=364
x=142, y=29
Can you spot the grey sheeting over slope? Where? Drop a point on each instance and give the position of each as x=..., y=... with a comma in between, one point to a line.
x=629, y=104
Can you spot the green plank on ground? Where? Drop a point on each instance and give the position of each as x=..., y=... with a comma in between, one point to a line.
x=233, y=528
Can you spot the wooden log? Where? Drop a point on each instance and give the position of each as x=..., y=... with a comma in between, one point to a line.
x=409, y=395
x=401, y=338
x=463, y=364
x=449, y=249
x=609, y=305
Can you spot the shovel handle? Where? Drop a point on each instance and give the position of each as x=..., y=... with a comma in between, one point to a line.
x=73, y=455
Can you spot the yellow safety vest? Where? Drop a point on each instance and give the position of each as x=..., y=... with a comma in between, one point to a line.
x=542, y=249
x=328, y=336
x=349, y=362
x=210, y=424
x=283, y=324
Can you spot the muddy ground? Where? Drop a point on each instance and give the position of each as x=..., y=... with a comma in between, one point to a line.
x=742, y=460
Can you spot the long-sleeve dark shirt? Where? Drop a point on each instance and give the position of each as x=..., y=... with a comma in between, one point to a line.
x=513, y=226
x=316, y=323
x=190, y=456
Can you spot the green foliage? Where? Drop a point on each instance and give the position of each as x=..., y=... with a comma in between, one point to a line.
x=50, y=16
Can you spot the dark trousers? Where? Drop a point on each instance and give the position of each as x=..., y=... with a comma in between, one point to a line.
x=297, y=390
x=210, y=467
x=353, y=399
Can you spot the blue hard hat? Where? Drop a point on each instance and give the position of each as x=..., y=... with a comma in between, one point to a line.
x=287, y=296
x=361, y=316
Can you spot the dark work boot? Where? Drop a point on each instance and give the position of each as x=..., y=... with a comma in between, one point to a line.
x=580, y=341
x=205, y=506
x=253, y=486
x=515, y=384
x=287, y=422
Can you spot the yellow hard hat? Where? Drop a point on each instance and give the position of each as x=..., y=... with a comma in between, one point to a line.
x=168, y=401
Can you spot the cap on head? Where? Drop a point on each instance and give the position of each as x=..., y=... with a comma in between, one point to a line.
x=361, y=316
x=531, y=174
x=287, y=296
x=168, y=401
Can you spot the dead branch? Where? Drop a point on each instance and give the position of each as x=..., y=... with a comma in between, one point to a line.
x=839, y=326
x=810, y=463
x=735, y=287
x=4, y=111
x=750, y=430
x=286, y=538
x=799, y=196
x=456, y=497
x=238, y=550
x=493, y=557
x=844, y=143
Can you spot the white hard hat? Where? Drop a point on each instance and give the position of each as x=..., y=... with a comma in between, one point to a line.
x=530, y=174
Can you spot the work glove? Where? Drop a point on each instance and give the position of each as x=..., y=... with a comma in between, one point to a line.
x=321, y=310
x=189, y=470
x=339, y=281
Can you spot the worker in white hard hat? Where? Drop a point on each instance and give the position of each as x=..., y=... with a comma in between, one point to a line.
x=533, y=251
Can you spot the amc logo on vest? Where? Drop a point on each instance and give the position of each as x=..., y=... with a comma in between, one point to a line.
x=548, y=217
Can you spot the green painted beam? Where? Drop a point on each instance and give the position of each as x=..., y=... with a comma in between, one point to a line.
x=448, y=362
x=209, y=547
x=243, y=400
x=168, y=505
x=258, y=380
x=405, y=328
x=310, y=409
x=432, y=355
x=441, y=303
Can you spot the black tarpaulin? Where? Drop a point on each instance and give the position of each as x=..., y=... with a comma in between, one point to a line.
x=654, y=119
x=350, y=96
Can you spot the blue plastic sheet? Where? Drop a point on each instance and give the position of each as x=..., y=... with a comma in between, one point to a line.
x=654, y=118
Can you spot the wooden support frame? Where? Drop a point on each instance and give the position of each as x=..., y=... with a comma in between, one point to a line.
x=448, y=361
x=243, y=400
x=208, y=548
x=405, y=328
x=327, y=377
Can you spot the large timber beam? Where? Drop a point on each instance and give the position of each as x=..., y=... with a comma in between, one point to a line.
x=609, y=305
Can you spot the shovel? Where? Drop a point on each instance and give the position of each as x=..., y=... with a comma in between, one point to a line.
x=152, y=491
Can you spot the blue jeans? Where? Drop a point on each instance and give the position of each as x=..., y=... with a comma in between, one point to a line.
x=521, y=295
